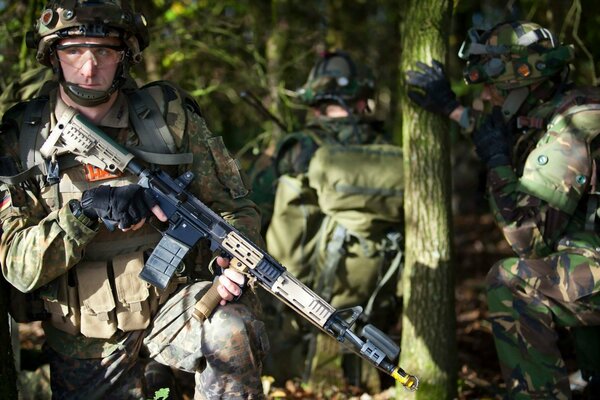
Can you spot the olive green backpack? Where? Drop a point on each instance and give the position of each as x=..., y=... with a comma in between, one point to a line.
x=338, y=226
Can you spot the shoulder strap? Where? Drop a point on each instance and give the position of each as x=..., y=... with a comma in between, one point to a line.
x=154, y=134
x=32, y=123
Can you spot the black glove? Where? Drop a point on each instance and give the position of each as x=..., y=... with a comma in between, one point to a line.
x=125, y=205
x=431, y=89
x=492, y=140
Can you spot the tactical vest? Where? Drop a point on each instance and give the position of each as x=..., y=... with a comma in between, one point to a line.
x=337, y=218
x=103, y=292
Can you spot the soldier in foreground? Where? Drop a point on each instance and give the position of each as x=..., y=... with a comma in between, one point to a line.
x=337, y=218
x=540, y=147
x=103, y=321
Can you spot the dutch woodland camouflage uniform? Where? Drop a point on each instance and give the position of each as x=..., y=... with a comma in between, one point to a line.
x=545, y=203
x=99, y=349
x=541, y=153
x=541, y=206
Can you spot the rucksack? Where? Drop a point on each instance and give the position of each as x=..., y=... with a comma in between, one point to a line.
x=338, y=227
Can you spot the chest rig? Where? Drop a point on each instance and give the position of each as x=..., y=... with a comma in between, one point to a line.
x=103, y=292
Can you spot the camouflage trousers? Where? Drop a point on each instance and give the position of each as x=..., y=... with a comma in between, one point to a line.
x=225, y=354
x=527, y=299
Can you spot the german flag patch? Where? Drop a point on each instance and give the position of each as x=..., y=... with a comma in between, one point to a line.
x=6, y=202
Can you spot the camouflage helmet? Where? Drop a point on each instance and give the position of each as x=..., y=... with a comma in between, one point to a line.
x=336, y=77
x=513, y=55
x=93, y=18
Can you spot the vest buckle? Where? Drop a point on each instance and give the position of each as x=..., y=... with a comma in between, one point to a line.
x=53, y=171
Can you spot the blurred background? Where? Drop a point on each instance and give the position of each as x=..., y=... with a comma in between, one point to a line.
x=216, y=49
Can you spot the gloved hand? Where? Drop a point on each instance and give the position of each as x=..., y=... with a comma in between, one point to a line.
x=431, y=89
x=492, y=140
x=126, y=205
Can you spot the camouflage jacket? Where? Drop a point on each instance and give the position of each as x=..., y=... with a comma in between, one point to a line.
x=540, y=202
x=41, y=243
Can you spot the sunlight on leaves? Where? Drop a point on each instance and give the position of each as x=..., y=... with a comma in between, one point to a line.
x=162, y=394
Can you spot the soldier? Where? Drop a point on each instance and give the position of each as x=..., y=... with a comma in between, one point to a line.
x=337, y=215
x=538, y=145
x=102, y=320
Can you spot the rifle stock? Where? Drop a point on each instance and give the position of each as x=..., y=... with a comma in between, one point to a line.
x=190, y=220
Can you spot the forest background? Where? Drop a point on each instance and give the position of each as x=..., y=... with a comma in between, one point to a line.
x=217, y=49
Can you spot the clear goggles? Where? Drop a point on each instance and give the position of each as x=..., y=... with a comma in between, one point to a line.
x=102, y=56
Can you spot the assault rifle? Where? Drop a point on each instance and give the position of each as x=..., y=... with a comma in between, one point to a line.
x=191, y=220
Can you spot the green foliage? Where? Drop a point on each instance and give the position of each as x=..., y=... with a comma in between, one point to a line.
x=216, y=48
x=162, y=394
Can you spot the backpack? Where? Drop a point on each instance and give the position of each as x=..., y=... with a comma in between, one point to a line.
x=337, y=227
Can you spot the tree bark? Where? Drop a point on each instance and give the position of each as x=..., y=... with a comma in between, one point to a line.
x=428, y=322
x=275, y=49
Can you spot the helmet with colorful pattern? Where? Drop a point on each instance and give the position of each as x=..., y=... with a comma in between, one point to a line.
x=513, y=55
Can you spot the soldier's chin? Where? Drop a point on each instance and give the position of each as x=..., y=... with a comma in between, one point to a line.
x=85, y=96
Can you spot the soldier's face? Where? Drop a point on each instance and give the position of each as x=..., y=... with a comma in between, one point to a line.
x=492, y=95
x=90, y=63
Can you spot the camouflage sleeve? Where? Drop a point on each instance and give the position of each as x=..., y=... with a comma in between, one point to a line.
x=219, y=182
x=36, y=246
x=529, y=224
x=35, y=251
x=535, y=209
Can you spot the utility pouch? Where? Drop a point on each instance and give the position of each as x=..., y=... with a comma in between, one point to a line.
x=133, y=308
x=61, y=301
x=25, y=307
x=96, y=300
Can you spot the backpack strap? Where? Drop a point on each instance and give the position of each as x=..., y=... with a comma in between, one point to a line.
x=393, y=244
x=154, y=134
x=32, y=124
x=335, y=252
x=592, y=203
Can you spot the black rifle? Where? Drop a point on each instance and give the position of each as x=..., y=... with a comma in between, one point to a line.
x=190, y=220
x=251, y=99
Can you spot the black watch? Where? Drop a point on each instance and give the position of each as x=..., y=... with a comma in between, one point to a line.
x=77, y=211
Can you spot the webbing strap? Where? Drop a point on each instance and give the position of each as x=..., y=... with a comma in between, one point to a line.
x=149, y=124
x=395, y=269
x=335, y=251
x=514, y=101
x=146, y=117
x=32, y=119
x=592, y=203
x=161, y=158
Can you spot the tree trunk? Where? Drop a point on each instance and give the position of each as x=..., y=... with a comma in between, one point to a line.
x=275, y=49
x=428, y=322
x=8, y=375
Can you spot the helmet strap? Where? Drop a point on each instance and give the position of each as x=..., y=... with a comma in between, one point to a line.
x=351, y=116
x=513, y=102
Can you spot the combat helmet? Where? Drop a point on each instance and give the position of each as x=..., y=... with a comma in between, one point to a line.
x=337, y=78
x=513, y=55
x=90, y=18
